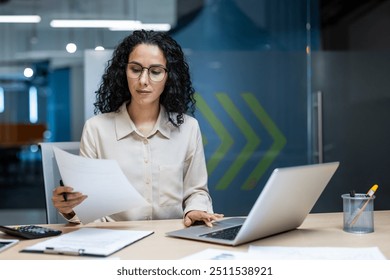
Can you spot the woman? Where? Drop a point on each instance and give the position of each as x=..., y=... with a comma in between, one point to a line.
x=144, y=98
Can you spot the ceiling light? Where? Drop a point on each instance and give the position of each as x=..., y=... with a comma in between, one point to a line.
x=99, y=48
x=146, y=26
x=113, y=25
x=28, y=72
x=20, y=19
x=73, y=23
x=71, y=47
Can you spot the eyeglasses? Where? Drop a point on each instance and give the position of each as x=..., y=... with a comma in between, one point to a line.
x=155, y=73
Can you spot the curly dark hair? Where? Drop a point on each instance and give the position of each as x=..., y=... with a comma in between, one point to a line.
x=178, y=94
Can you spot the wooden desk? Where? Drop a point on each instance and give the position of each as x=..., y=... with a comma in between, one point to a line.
x=318, y=230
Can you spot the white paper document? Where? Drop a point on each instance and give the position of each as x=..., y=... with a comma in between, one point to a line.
x=102, y=180
x=291, y=253
x=88, y=242
x=316, y=253
x=219, y=254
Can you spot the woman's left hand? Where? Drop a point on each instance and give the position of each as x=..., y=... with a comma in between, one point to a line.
x=196, y=215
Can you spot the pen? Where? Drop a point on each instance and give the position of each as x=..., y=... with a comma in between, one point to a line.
x=355, y=215
x=64, y=194
x=64, y=251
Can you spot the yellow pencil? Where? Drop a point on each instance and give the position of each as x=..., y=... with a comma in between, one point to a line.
x=356, y=214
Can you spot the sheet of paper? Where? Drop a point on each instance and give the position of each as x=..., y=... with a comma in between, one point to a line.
x=290, y=253
x=218, y=254
x=89, y=241
x=102, y=180
x=316, y=253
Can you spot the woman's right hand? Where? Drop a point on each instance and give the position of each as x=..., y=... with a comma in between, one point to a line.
x=65, y=206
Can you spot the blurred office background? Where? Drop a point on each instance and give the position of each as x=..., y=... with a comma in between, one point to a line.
x=279, y=83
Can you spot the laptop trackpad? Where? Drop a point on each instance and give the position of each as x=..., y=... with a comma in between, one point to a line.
x=217, y=225
x=198, y=231
x=228, y=222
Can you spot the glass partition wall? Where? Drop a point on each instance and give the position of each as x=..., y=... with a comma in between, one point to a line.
x=249, y=66
x=350, y=78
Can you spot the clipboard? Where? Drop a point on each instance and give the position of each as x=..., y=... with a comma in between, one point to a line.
x=95, y=242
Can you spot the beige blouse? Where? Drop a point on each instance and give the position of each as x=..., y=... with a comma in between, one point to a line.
x=167, y=167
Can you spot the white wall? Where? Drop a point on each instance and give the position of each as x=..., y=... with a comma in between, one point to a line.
x=94, y=65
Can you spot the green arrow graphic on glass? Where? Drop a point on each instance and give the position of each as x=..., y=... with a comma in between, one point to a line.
x=253, y=140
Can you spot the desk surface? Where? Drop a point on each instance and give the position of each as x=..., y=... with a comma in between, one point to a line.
x=318, y=230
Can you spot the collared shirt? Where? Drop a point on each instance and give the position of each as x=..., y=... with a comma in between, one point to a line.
x=167, y=167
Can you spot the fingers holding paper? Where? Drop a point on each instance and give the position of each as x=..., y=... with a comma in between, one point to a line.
x=64, y=199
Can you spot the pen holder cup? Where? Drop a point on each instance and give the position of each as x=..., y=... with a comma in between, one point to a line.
x=358, y=213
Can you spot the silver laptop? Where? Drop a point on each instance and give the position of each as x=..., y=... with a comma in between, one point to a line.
x=287, y=198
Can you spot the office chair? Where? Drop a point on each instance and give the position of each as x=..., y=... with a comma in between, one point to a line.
x=51, y=175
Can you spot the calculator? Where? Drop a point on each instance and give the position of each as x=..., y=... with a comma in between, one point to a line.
x=6, y=243
x=30, y=231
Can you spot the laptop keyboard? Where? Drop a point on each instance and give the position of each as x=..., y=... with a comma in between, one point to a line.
x=227, y=233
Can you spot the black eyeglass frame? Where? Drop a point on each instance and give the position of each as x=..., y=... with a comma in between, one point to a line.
x=148, y=69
